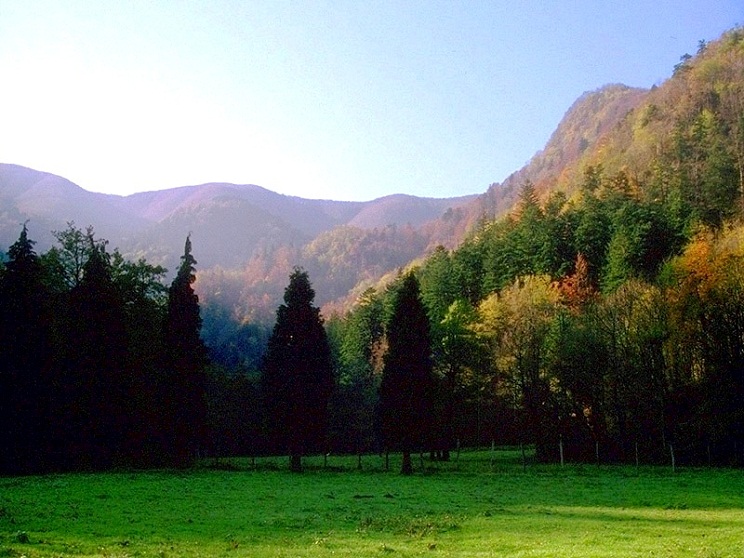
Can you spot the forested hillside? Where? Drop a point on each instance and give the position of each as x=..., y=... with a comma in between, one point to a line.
x=598, y=318
x=601, y=318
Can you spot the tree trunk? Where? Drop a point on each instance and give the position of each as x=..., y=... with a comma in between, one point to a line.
x=406, y=467
x=295, y=463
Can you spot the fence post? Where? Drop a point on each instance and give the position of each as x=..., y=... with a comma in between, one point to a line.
x=671, y=452
x=636, y=454
x=524, y=456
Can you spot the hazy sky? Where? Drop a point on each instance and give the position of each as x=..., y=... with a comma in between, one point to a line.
x=340, y=99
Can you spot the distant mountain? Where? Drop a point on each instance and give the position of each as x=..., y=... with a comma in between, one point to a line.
x=230, y=223
x=48, y=202
x=247, y=238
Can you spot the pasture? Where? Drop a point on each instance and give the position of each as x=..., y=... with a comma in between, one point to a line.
x=482, y=505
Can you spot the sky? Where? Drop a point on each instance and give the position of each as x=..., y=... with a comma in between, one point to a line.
x=339, y=99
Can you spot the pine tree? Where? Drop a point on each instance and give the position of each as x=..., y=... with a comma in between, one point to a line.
x=184, y=381
x=297, y=378
x=407, y=381
x=25, y=351
x=95, y=383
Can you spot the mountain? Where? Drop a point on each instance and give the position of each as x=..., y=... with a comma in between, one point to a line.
x=48, y=202
x=247, y=238
x=230, y=223
x=589, y=119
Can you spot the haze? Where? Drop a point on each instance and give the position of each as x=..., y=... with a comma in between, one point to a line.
x=340, y=100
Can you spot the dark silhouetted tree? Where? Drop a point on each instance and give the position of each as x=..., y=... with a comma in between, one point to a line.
x=407, y=381
x=96, y=385
x=183, y=383
x=145, y=297
x=297, y=378
x=25, y=351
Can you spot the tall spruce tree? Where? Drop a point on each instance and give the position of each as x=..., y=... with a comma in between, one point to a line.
x=183, y=384
x=95, y=402
x=407, y=386
x=297, y=377
x=25, y=351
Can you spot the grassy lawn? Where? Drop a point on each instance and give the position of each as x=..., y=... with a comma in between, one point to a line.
x=473, y=507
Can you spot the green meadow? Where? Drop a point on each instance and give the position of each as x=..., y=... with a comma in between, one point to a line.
x=482, y=504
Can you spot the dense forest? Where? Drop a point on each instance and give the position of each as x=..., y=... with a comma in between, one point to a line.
x=601, y=319
x=102, y=364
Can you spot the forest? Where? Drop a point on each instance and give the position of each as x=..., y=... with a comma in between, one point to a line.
x=601, y=320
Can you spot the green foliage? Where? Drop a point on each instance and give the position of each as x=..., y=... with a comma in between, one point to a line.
x=360, y=345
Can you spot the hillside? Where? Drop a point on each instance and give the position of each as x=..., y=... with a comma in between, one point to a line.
x=604, y=311
x=247, y=238
x=230, y=223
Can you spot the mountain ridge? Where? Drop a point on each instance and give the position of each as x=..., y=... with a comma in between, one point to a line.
x=247, y=238
x=53, y=201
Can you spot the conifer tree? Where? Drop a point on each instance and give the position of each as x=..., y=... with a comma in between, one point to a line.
x=96, y=383
x=25, y=351
x=297, y=377
x=184, y=382
x=407, y=381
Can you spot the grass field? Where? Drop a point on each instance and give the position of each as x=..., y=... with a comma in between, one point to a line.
x=476, y=506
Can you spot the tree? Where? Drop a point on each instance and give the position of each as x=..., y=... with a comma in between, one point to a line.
x=25, y=351
x=184, y=381
x=94, y=419
x=439, y=285
x=517, y=321
x=145, y=298
x=360, y=341
x=407, y=380
x=460, y=350
x=67, y=261
x=297, y=378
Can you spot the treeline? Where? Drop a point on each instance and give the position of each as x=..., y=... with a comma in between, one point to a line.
x=101, y=365
x=602, y=320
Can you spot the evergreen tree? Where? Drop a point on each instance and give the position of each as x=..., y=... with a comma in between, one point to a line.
x=297, y=378
x=407, y=381
x=184, y=381
x=25, y=351
x=95, y=385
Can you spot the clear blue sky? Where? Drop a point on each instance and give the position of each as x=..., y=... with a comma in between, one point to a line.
x=332, y=99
